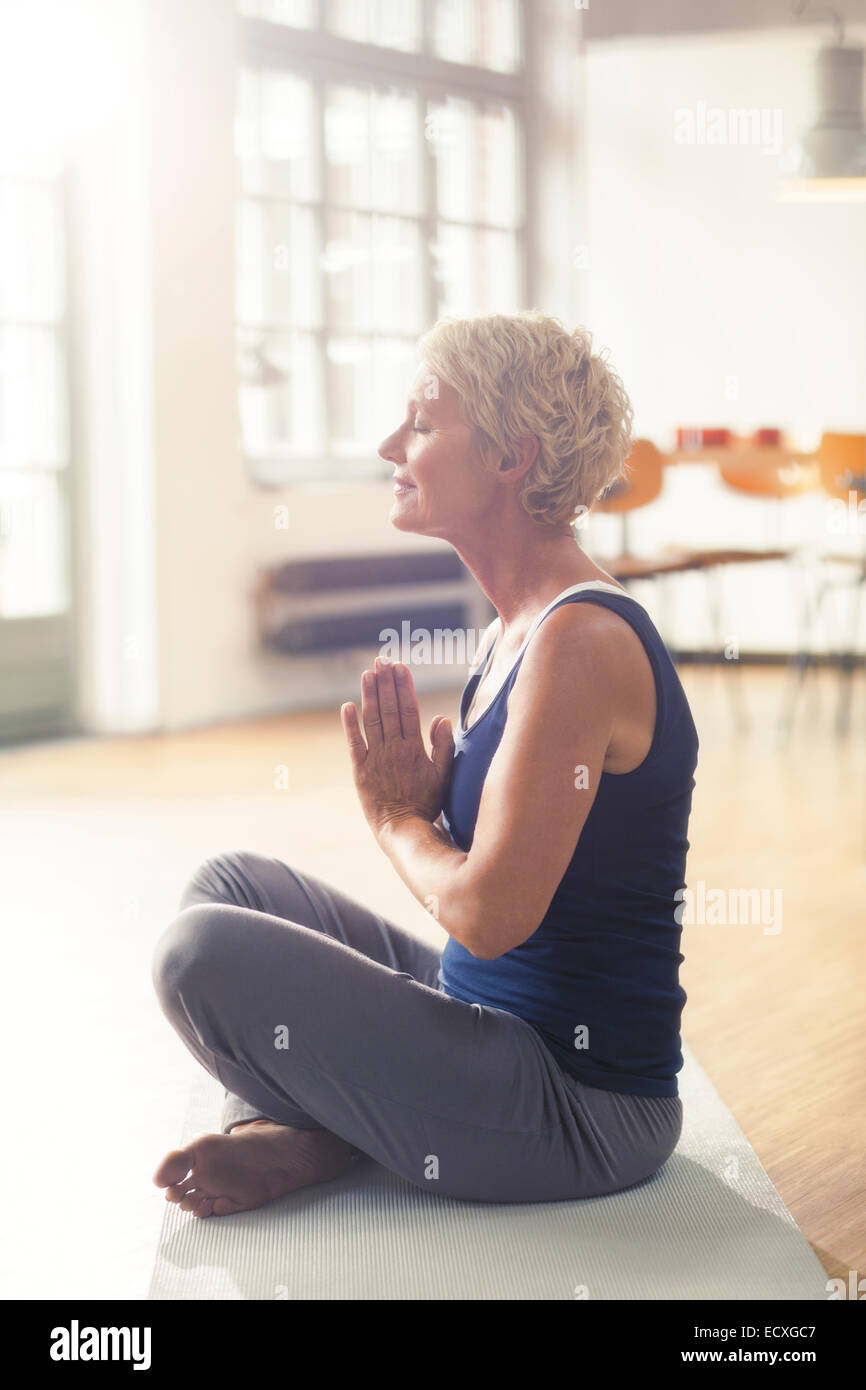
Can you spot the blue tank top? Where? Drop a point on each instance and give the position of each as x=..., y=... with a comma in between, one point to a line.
x=599, y=978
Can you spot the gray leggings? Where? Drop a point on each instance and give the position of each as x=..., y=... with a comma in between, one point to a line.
x=313, y=1011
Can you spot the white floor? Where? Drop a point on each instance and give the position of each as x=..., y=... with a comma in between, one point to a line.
x=710, y=1225
x=97, y=1083
x=96, y=844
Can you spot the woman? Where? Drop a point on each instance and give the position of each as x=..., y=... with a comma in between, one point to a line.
x=536, y=1059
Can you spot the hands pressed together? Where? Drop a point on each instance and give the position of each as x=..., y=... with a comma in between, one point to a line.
x=394, y=776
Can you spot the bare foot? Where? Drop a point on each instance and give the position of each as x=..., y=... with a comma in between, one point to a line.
x=255, y=1163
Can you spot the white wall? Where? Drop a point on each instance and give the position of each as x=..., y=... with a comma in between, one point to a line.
x=212, y=529
x=697, y=274
x=720, y=305
x=110, y=338
x=694, y=275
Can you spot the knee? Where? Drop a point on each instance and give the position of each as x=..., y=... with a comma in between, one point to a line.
x=227, y=877
x=189, y=949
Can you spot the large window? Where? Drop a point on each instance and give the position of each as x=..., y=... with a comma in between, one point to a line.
x=35, y=600
x=33, y=434
x=485, y=33
x=380, y=156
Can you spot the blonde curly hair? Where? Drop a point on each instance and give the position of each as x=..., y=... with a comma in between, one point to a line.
x=526, y=374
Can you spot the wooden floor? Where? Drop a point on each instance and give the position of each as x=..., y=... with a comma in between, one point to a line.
x=775, y=1017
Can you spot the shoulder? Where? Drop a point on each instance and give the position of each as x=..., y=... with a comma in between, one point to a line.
x=588, y=628
x=582, y=647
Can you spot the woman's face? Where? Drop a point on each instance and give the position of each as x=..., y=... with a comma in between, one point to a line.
x=440, y=480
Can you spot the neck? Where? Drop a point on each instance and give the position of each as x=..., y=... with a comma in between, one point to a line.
x=521, y=573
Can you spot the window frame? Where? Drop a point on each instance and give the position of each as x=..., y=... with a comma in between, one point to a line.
x=323, y=57
x=36, y=647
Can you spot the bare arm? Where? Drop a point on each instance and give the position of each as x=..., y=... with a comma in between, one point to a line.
x=569, y=698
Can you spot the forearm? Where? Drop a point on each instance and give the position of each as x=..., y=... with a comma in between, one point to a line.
x=434, y=869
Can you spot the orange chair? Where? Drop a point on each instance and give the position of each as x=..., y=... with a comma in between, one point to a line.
x=841, y=462
x=775, y=477
x=761, y=473
x=640, y=484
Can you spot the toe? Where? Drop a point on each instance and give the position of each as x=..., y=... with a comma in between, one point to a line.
x=179, y=1190
x=224, y=1206
x=174, y=1168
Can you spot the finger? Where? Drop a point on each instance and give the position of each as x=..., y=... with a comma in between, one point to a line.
x=407, y=700
x=389, y=711
x=442, y=740
x=370, y=710
x=389, y=702
x=354, y=737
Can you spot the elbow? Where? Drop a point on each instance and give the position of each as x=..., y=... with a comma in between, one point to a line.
x=488, y=936
x=467, y=932
x=484, y=927
x=473, y=934
x=472, y=928
x=481, y=949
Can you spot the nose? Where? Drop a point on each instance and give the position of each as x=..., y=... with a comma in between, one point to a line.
x=390, y=450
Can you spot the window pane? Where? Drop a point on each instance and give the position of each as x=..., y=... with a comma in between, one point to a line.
x=280, y=395
x=454, y=23
x=450, y=128
x=391, y=23
x=497, y=166
x=483, y=32
x=299, y=13
x=477, y=163
x=31, y=252
x=366, y=378
x=275, y=135
x=332, y=296
x=371, y=142
x=32, y=399
x=373, y=270
x=32, y=545
x=347, y=145
x=278, y=260
x=395, y=152
x=33, y=410
x=477, y=271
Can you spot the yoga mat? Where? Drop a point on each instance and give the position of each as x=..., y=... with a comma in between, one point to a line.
x=709, y=1225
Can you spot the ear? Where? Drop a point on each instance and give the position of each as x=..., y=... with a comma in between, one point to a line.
x=514, y=466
